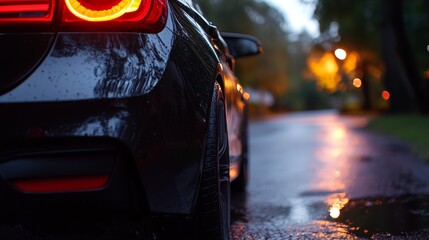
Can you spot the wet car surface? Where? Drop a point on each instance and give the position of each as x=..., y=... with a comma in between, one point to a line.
x=119, y=115
x=319, y=175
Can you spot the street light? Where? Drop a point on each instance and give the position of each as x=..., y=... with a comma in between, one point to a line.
x=340, y=53
x=357, y=82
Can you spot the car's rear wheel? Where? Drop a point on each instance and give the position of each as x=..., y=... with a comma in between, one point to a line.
x=214, y=195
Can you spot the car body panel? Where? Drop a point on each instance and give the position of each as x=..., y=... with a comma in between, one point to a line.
x=96, y=66
x=149, y=94
x=234, y=115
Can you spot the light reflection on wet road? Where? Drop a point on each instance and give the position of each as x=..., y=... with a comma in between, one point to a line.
x=319, y=175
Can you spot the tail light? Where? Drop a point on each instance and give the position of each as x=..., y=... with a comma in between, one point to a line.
x=14, y=12
x=61, y=184
x=83, y=15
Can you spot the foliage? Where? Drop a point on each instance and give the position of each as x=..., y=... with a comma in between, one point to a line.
x=388, y=35
x=411, y=128
x=303, y=94
x=281, y=69
x=351, y=24
x=416, y=14
x=257, y=18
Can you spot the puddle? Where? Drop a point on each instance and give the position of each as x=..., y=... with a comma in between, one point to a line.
x=378, y=217
x=320, y=215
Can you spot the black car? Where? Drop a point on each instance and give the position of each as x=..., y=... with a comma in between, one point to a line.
x=124, y=106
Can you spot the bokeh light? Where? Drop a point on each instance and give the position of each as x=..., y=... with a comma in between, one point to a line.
x=340, y=53
x=334, y=212
x=336, y=203
x=357, y=83
x=385, y=95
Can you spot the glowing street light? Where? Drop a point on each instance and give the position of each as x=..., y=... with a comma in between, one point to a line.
x=357, y=83
x=340, y=53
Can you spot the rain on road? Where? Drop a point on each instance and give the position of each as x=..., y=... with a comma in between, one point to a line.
x=314, y=175
x=320, y=175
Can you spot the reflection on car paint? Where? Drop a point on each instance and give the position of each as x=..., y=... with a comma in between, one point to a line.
x=111, y=126
x=87, y=66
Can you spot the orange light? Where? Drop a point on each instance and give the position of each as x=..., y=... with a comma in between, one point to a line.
x=233, y=172
x=325, y=70
x=77, y=7
x=427, y=74
x=357, y=82
x=385, y=95
x=246, y=96
x=336, y=203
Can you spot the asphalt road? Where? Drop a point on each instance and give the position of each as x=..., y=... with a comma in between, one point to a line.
x=314, y=175
x=319, y=175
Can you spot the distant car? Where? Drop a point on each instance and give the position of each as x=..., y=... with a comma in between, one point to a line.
x=126, y=105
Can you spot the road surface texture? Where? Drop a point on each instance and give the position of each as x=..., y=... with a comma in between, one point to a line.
x=319, y=175
x=314, y=175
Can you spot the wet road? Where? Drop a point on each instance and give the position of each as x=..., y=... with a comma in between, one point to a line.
x=319, y=175
x=314, y=175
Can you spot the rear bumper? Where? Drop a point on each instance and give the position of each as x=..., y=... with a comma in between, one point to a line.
x=151, y=160
x=67, y=176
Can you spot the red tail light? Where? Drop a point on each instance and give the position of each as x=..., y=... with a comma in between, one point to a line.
x=26, y=12
x=61, y=184
x=84, y=15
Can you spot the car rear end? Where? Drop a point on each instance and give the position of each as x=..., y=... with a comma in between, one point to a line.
x=63, y=118
x=94, y=109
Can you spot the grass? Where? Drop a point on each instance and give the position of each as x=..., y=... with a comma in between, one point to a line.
x=411, y=128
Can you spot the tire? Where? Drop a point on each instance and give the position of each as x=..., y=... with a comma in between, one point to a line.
x=214, y=195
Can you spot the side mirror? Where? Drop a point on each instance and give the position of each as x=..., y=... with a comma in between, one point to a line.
x=241, y=45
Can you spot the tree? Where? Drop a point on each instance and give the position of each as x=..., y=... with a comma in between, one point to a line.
x=303, y=93
x=368, y=26
x=416, y=29
x=350, y=25
x=268, y=71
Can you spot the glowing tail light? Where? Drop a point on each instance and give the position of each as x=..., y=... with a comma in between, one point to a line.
x=61, y=184
x=28, y=12
x=84, y=15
